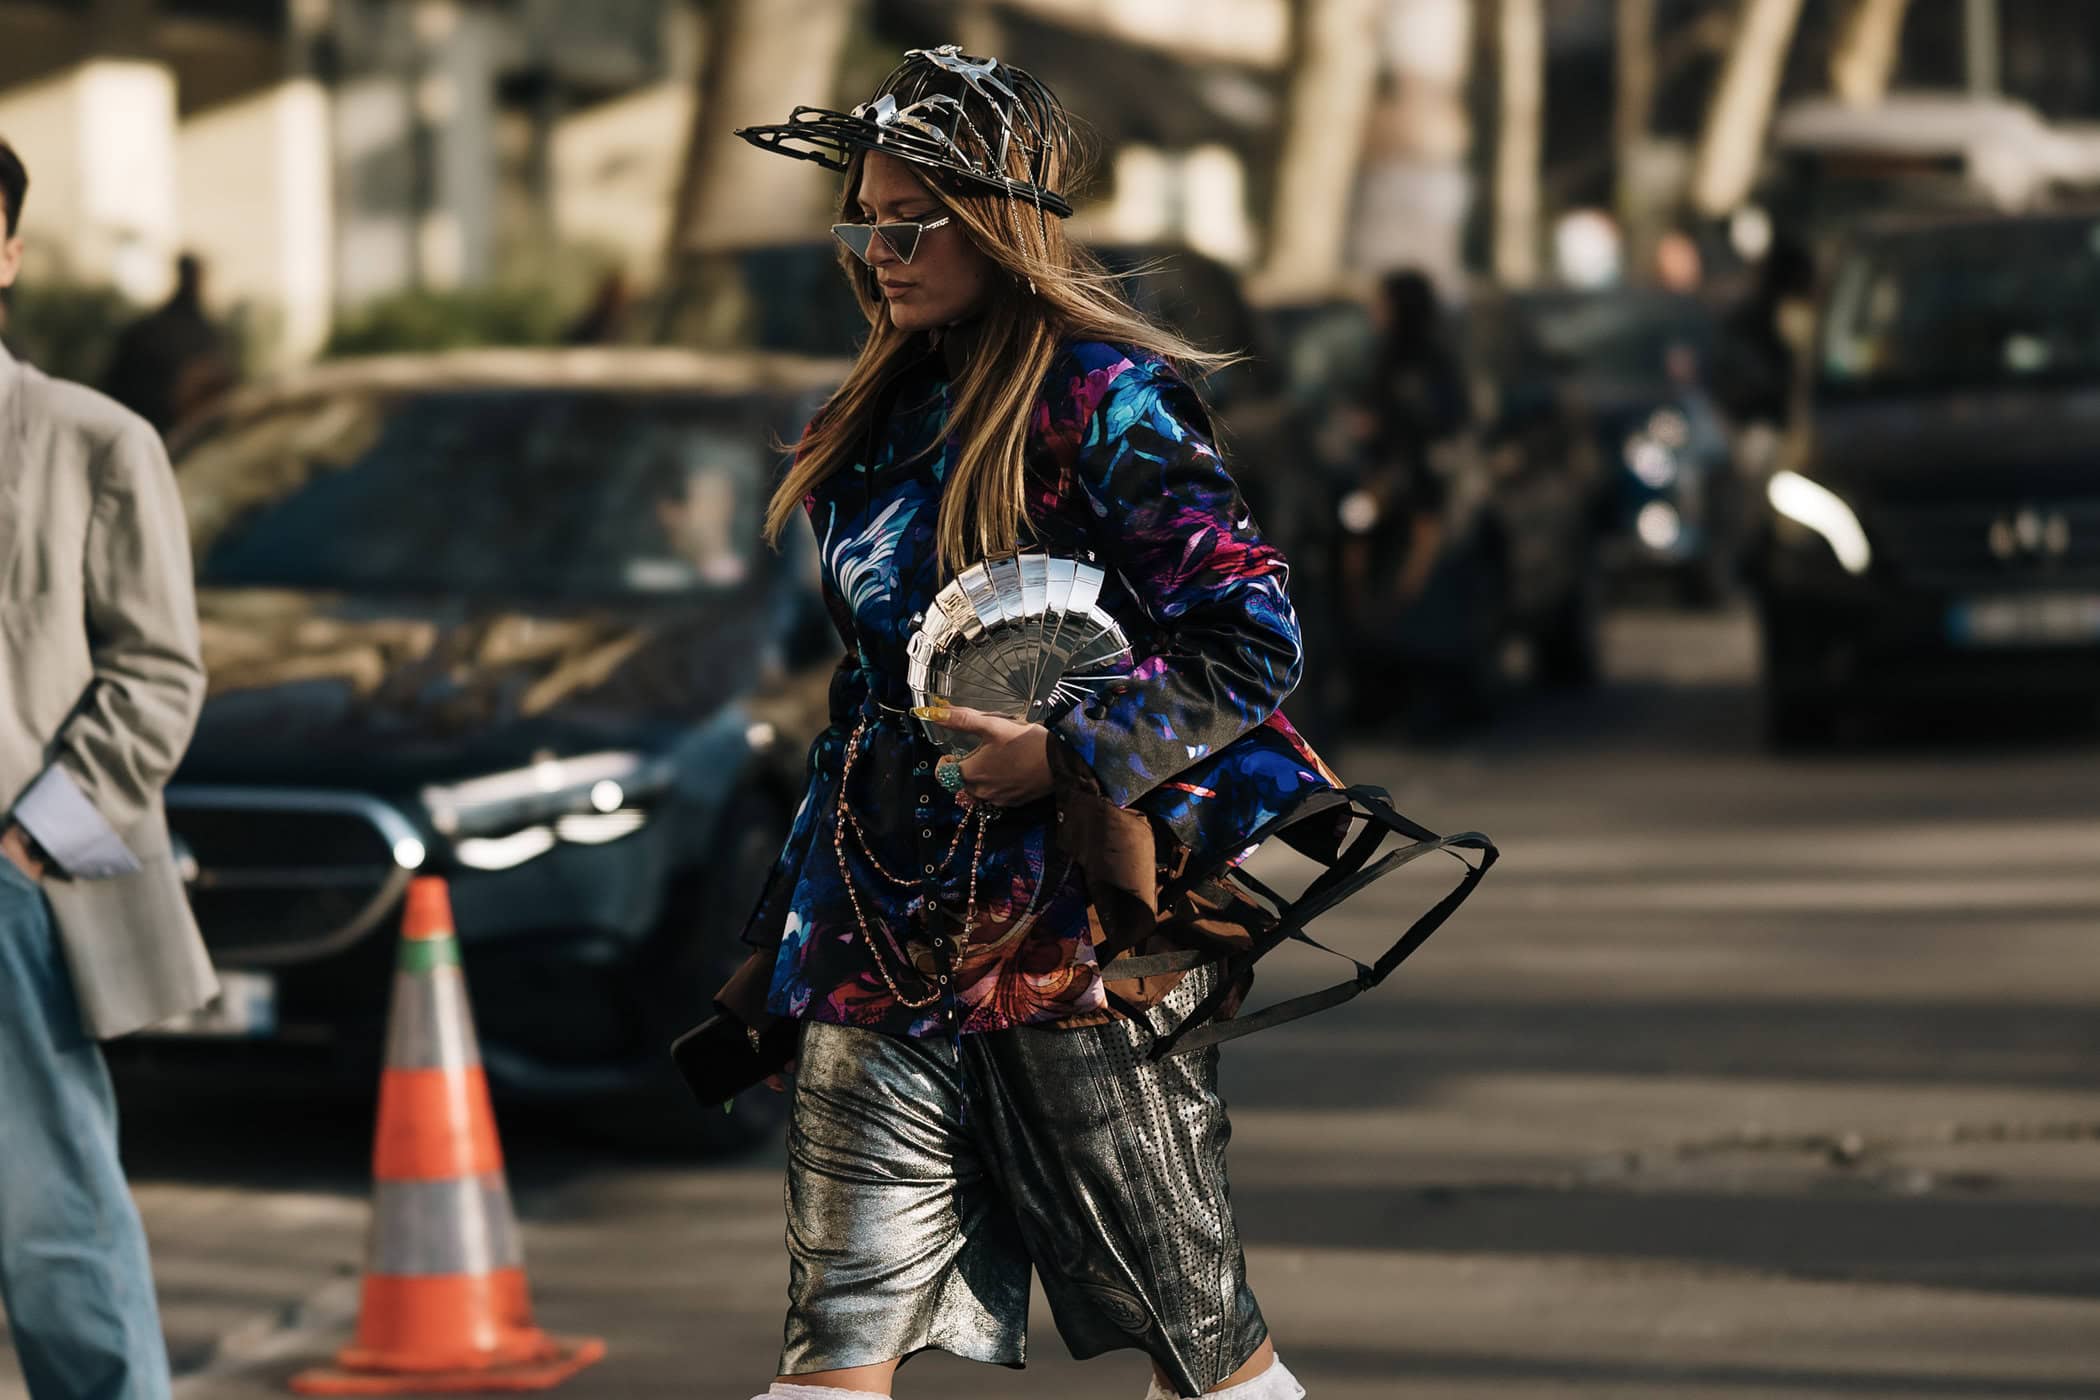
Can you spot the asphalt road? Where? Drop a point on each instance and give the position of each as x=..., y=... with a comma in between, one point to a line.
x=1742, y=1076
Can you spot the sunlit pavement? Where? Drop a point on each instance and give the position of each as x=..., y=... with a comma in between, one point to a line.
x=1741, y=1076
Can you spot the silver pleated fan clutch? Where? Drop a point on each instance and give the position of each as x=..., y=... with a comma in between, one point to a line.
x=1015, y=635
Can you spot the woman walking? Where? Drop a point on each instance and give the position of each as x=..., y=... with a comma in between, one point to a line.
x=972, y=1099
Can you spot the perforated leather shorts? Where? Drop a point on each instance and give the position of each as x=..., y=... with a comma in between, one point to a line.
x=922, y=1187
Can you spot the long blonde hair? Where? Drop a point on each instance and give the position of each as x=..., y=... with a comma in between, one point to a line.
x=1045, y=292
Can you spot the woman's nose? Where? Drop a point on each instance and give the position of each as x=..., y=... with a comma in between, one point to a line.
x=880, y=253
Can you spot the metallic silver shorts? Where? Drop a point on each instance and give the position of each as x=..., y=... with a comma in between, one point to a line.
x=914, y=1218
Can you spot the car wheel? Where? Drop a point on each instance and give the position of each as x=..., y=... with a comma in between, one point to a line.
x=1801, y=710
x=1705, y=582
x=698, y=948
x=1571, y=646
x=1798, y=720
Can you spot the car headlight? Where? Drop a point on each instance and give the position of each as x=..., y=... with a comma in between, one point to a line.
x=1822, y=510
x=507, y=818
x=1654, y=452
x=1358, y=512
x=1670, y=428
x=1659, y=526
x=1651, y=461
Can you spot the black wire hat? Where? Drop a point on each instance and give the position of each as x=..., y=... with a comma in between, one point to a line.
x=973, y=122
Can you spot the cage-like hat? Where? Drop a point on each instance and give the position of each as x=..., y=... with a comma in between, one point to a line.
x=973, y=122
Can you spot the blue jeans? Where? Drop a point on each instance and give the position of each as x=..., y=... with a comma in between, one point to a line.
x=74, y=1275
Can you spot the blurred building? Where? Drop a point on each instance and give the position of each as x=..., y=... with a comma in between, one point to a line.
x=318, y=153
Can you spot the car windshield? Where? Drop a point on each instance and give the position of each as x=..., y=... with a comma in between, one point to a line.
x=507, y=493
x=1993, y=303
x=1621, y=337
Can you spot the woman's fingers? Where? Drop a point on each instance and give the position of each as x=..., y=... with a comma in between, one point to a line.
x=964, y=720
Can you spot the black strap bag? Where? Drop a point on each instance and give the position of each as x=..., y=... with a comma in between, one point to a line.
x=1347, y=871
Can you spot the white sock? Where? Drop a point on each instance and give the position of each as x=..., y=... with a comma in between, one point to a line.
x=783, y=1391
x=1276, y=1383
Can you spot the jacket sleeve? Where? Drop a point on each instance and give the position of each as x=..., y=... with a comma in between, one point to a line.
x=1175, y=527
x=134, y=721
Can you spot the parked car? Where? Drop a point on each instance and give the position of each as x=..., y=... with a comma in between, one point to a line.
x=1832, y=164
x=1639, y=361
x=503, y=617
x=1936, y=528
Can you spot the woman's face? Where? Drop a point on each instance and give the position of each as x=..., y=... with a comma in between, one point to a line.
x=946, y=279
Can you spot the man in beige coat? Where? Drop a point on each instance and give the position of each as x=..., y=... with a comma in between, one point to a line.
x=100, y=684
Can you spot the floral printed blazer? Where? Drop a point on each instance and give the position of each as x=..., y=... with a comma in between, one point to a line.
x=866, y=904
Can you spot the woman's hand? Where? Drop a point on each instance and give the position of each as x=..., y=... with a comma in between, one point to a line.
x=1011, y=765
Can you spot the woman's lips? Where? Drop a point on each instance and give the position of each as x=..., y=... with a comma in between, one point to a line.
x=893, y=290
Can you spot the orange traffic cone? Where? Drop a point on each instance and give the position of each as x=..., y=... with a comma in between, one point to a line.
x=445, y=1306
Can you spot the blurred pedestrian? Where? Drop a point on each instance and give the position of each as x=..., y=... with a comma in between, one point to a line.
x=1761, y=340
x=173, y=361
x=1679, y=266
x=604, y=321
x=100, y=684
x=973, y=1096
x=1416, y=404
x=1758, y=343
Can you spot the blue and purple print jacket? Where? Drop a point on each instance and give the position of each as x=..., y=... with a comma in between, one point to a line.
x=1119, y=463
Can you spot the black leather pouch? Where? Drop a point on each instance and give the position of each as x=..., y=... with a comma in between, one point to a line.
x=721, y=1057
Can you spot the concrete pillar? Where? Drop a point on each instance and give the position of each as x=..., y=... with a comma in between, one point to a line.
x=376, y=233
x=1520, y=48
x=1734, y=137
x=1140, y=206
x=1334, y=74
x=768, y=56
x=1417, y=191
x=415, y=146
x=1980, y=49
x=258, y=205
x=615, y=175
x=99, y=140
x=456, y=106
x=1213, y=182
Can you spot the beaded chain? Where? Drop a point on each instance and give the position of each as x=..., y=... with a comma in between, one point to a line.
x=980, y=816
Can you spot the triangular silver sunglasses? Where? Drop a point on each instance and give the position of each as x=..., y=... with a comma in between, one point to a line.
x=901, y=238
